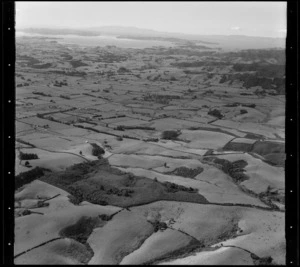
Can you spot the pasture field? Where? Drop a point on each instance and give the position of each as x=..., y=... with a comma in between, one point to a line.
x=164, y=155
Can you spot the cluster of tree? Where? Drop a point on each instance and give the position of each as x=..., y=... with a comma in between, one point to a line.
x=29, y=60
x=159, y=225
x=122, y=192
x=181, y=51
x=93, y=195
x=151, y=139
x=23, y=84
x=155, y=78
x=69, y=73
x=130, y=137
x=193, y=72
x=264, y=70
x=196, y=64
x=231, y=105
x=186, y=172
x=111, y=58
x=65, y=97
x=81, y=230
x=105, y=217
x=60, y=84
x=97, y=150
x=234, y=169
x=75, y=200
x=223, y=79
x=216, y=113
x=253, y=79
x=173, y=188
x=66, y=56
x=248, y=105
x=160, y=98
x=170, y=134
x=41, y=66
x=27, y=156
x=29, y=176
x=77, y=63
x=272, y=194
x=120, y=128
x=123, y=70
x=246, y=94
x=258, y=54
x=123, y=128
x=208, y=92
x=41, y=93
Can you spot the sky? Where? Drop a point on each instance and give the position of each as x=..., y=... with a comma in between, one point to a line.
x=267, y=19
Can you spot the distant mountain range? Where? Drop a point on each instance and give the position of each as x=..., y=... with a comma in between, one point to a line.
x=224, y=41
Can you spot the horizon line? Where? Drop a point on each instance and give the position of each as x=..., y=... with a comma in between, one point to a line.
x=87, y=28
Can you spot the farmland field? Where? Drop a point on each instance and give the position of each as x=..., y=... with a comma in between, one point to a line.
x=148, y=150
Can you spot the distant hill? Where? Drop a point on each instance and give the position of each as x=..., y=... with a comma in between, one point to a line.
x=226, y=42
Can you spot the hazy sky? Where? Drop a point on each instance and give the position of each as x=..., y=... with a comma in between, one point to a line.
x=246, y=18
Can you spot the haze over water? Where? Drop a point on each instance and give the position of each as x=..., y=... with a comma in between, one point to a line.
x=100, y=40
